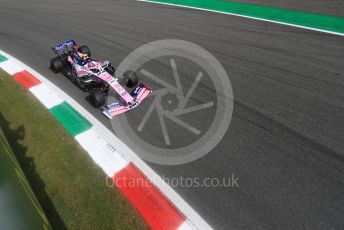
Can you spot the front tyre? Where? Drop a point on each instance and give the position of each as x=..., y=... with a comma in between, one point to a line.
x=131, y=79
x=97, y=98
x=56, y=64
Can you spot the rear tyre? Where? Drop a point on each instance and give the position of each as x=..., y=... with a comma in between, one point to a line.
x=56, y=64
x=85, y=50
x=131, y=79
x=97, y=98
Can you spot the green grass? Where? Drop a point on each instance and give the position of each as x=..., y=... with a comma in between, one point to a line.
x=68, y=185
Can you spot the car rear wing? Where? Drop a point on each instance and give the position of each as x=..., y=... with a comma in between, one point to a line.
x=63, y=46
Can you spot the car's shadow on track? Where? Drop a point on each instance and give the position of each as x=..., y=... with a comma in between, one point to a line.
x=67, y=74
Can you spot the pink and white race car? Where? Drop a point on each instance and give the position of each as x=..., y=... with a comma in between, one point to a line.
x=98, y=77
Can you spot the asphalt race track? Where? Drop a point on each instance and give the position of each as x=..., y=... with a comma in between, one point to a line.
x=285, y=141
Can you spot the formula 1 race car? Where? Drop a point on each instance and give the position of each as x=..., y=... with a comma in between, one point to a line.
x=98, y=77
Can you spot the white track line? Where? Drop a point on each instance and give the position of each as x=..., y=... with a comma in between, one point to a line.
x=11, y=66
x=244, y=16
x=108, y=159
x=46, y=96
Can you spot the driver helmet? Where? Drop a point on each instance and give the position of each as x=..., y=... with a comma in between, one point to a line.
x=85, y=57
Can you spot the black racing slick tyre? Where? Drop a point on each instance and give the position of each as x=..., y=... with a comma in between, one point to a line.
x=56, y=64
x=97, y=98
x=85, y=50
x=131, y=79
